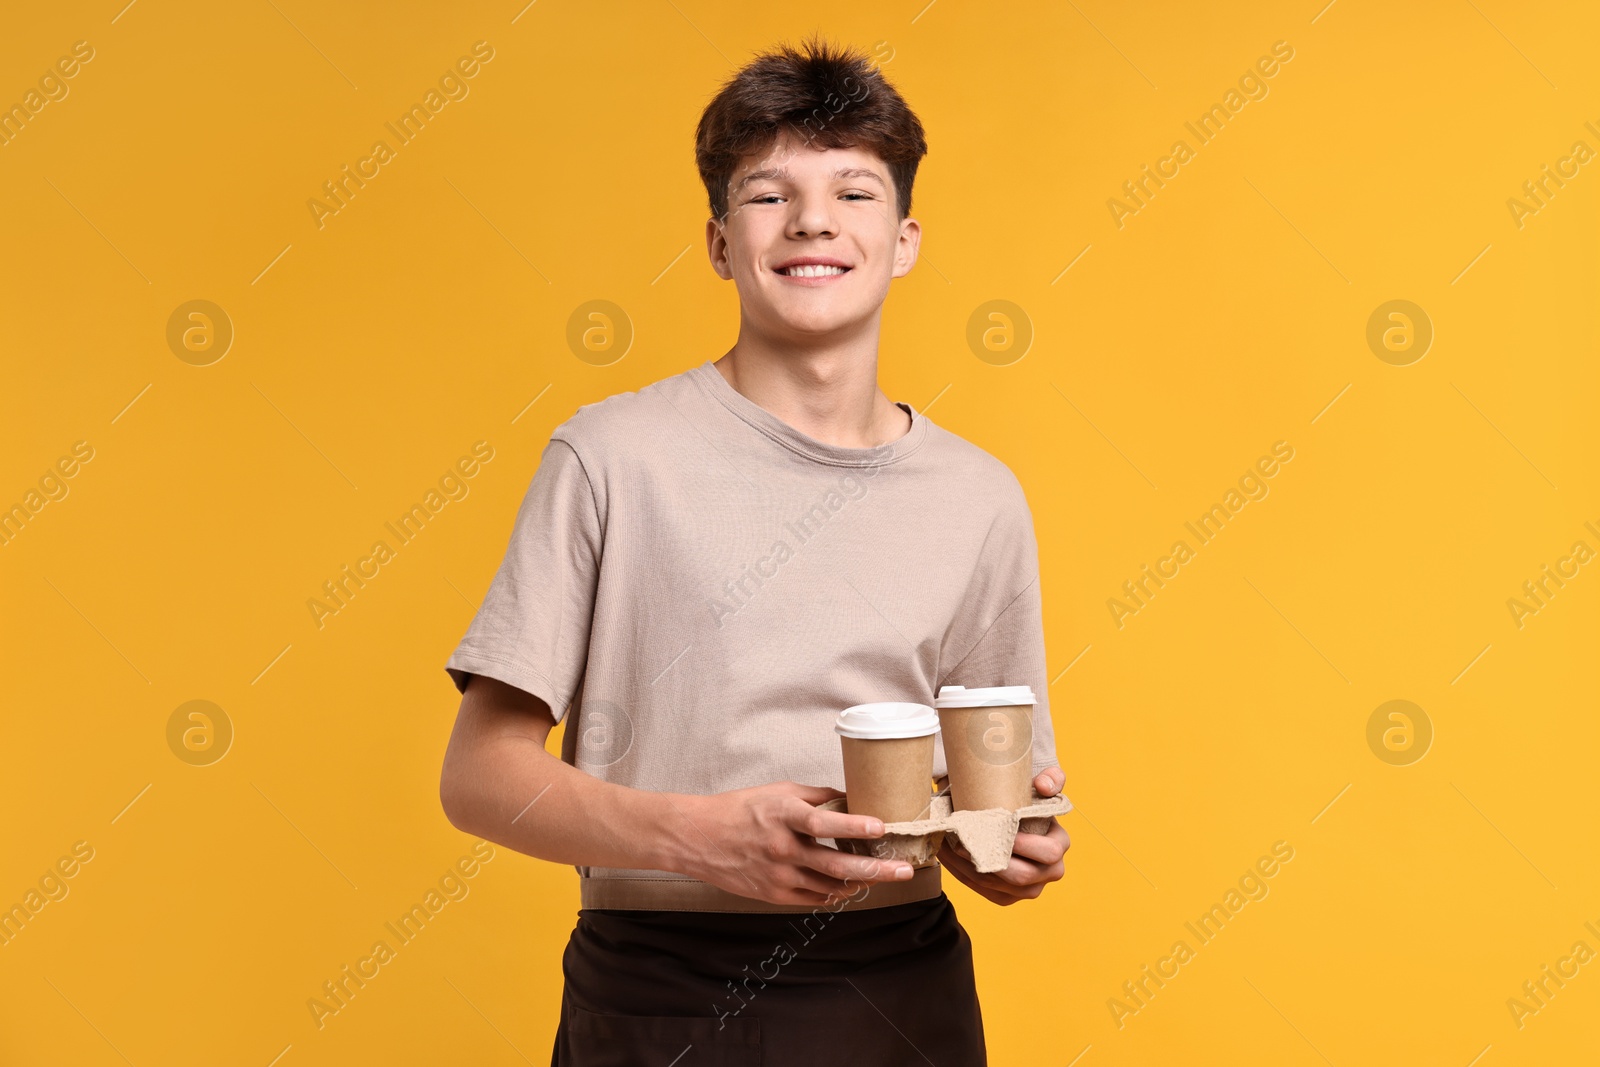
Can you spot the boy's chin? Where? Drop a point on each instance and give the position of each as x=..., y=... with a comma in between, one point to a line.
x=813, y=324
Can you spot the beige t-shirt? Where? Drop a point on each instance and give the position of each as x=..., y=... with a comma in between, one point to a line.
x=702, y=588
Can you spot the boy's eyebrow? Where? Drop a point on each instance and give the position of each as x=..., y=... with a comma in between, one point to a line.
x=781, y=174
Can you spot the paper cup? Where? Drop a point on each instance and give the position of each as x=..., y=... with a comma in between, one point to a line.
x=988, y=745
x=888, y=759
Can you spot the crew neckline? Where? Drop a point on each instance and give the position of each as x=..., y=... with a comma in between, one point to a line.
x=775, y=428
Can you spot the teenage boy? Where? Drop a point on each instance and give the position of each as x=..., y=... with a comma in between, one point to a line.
x=702, y=574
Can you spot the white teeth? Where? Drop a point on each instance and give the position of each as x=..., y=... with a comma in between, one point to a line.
x=813, y=271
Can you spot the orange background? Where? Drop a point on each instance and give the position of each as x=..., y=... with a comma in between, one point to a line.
x=431, y=311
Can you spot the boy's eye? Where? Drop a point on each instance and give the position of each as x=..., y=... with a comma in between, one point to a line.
x=767, y=198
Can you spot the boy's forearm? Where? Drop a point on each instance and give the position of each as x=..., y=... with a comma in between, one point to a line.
x=519, y=795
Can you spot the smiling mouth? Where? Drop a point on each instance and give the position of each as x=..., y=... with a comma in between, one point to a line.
x=812, y=271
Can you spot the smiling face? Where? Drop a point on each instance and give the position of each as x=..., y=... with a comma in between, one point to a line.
x=812, y=239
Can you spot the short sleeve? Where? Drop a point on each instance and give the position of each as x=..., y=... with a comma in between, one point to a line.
x=532, y=630
x=1011, y=650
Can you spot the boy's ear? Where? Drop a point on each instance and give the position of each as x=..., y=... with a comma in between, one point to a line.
x=905, y=253
x=717, y=248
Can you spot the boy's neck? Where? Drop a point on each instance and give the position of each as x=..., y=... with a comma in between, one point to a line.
x=830, y=394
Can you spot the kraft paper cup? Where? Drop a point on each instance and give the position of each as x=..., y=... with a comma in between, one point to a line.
x=988, y=745
x=888, y=759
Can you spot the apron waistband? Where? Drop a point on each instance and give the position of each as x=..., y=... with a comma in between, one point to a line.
x=688, y=894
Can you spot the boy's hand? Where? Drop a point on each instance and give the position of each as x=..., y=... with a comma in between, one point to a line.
x=761, y=842
x=1036, y=859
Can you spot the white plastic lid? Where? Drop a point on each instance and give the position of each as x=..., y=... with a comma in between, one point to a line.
x=887, y=719
x=998, y=696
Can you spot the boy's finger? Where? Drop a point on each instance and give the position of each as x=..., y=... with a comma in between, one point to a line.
x=832, y=865
x=1040, y=848
x=836, y=824
x=955, y=858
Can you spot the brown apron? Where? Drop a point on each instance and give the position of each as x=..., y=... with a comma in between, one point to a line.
x=883, y=987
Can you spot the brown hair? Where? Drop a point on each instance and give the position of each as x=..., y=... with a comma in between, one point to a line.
x=828, y=96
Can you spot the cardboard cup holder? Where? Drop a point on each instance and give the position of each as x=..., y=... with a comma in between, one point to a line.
x=987, y=835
